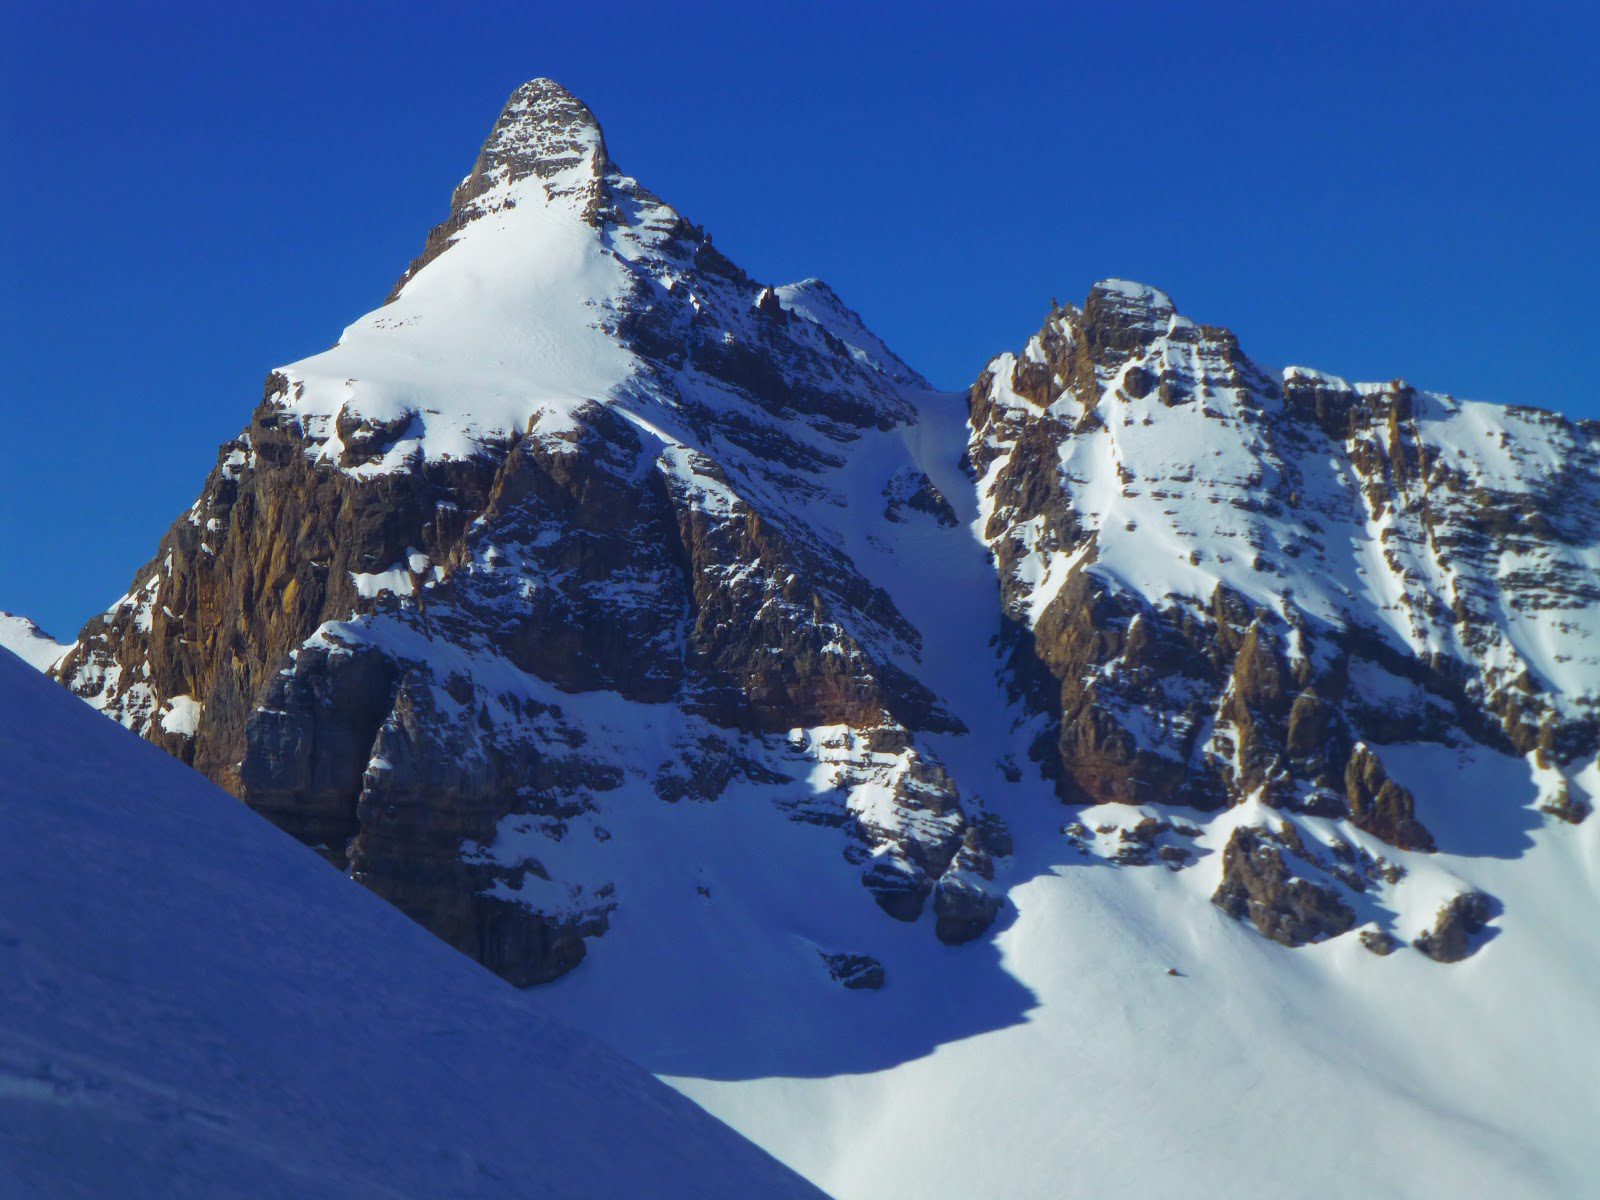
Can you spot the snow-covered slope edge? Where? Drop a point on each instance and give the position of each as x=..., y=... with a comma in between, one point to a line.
x=27, y=641
x=192, y=1004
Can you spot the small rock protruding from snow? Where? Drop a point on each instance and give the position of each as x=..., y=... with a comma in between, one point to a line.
x=854, y=971
x=1459, y=928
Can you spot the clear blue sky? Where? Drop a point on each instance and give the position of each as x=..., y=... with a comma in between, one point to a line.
x=193, y=194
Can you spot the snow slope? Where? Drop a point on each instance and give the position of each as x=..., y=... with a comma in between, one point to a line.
x=30, y=643
x=194, y=1005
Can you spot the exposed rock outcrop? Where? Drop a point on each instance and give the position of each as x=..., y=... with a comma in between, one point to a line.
x=1259, y=886
x=858, y=972
x=1380, y=942
x=1458, y=928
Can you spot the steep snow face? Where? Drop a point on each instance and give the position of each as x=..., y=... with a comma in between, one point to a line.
x=202, y=1008
x=30, y=643
x=503, y=319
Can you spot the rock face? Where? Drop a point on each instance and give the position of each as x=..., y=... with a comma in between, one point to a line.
x=585, y=520
x=1220, y=583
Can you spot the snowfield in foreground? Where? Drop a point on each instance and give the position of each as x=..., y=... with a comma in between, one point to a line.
x=191, y=1004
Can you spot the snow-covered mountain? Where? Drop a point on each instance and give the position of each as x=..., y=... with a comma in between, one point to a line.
x=883, y=748
x=1223, y=585
x=197, y=1007
x=579, y=509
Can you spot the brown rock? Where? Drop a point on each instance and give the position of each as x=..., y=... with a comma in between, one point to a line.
x=1380, y=805
x=1379, y=942
x=1258, y=886
x=1456, y=929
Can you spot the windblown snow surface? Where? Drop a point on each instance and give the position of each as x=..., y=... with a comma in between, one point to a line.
x=192, y=1004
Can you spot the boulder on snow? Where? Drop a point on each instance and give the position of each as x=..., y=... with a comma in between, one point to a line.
x=1379, y=942
x=855, y=971
x=1457, y=930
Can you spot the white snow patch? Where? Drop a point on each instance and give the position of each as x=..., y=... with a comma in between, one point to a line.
x=30, y=643
x=181, y=715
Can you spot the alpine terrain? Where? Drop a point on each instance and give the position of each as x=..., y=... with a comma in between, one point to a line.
x=200, y=1009
x=1148, y=770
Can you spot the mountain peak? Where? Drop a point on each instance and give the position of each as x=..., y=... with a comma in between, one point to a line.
x=543, y=130
x=1124, y=315
x=1129, y=296
x=545, y=135
x=537, y=95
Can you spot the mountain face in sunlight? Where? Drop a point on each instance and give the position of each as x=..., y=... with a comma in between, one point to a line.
x=936, y=786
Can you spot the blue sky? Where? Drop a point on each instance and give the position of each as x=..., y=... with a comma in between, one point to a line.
x=194, y=194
